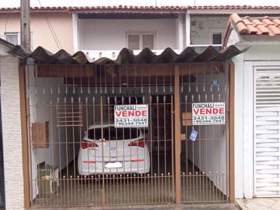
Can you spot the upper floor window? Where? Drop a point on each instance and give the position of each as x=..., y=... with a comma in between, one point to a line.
x=139, y=41
x=217, y=38
x=12, y=37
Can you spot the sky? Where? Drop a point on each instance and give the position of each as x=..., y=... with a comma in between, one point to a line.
x=16, y=3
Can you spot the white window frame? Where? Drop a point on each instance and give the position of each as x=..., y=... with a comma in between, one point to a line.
x=13, y=33
x=141, y=38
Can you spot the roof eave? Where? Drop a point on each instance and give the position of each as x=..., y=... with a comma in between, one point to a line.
x=260, y=39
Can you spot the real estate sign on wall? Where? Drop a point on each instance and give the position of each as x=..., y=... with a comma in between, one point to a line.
x=131, y=116
x=208, y=113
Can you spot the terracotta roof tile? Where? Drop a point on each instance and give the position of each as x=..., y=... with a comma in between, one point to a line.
x=128, y=8
x=267, y=21
x=268, y=26
x=276, y=22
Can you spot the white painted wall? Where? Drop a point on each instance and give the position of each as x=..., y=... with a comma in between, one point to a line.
x=256, y=56
x=181, y=34
x=110, y=34
x=211, y=146
x=40, y=111
x=203, y=26
x=12, y=136
x=44, y=95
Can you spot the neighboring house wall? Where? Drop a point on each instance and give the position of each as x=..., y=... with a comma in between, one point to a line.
x=257, y=56
x=51, y=30
x=110, y=34
x=261, y=53
x=12, y=136
x=203, y=26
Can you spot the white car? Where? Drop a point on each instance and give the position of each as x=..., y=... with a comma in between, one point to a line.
x=109, y=150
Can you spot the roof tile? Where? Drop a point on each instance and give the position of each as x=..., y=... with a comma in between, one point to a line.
x=128, y=8
x=268, y=26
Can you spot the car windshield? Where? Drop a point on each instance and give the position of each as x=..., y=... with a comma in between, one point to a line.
x=111, y=133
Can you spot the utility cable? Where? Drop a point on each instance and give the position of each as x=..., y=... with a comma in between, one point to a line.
x=54, y=35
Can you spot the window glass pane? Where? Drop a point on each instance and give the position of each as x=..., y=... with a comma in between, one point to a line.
x=119, y=133
x=133, y=42
x=127, y=133
x=94, y=134
x=130, y=133
x=148, y=41
x=12, y=38
x=109, y=133
x=217, y=38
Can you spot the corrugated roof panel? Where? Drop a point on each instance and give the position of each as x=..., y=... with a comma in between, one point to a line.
x=126, y=56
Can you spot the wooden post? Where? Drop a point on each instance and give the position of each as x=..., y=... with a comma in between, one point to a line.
x=25, y=24
x=24, y=131
x=231, y=132
x=177, y=124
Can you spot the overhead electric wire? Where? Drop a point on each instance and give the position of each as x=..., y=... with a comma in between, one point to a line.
x=54, y=35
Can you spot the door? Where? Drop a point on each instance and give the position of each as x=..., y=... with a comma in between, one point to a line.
x=267, y=133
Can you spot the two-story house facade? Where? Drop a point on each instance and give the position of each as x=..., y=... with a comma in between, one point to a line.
x=174, y=64
x=105, y=30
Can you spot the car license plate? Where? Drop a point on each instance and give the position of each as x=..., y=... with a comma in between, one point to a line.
x=113, y=165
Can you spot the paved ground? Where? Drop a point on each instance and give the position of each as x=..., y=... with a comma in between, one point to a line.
x=259, y=204
x=124, y=191
x=183, y=207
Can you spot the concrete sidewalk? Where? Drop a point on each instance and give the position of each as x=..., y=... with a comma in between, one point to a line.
x=259, y=204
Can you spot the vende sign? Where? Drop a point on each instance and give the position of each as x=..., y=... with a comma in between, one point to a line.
x=208, y=113
x=131, y=116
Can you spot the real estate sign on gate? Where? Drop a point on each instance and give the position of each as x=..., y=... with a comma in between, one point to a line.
x=131, y=116
x=208, y=113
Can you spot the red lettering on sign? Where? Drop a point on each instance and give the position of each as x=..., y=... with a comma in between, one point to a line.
x=208, y=111
x=196, y=111
x=215, y=111
x=137, y=113
x=118, y=113
x=202, y=111
x=131, y=113
x=144, y=113
x=124, y=113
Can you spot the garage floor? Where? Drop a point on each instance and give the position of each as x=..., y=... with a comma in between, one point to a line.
x=171, y=207
x=120, y=190
x=128, y=191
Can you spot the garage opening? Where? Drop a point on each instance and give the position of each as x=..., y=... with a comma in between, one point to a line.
x=107, y=134
x=205, y=134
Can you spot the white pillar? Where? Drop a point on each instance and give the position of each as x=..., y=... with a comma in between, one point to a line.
x=180, y=32
x=188, y=29
x=75, y=20
x=12, y=137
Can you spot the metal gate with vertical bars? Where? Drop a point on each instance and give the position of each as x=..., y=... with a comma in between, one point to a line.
x=204, y=161
x=75, y=106
x=79, y=157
